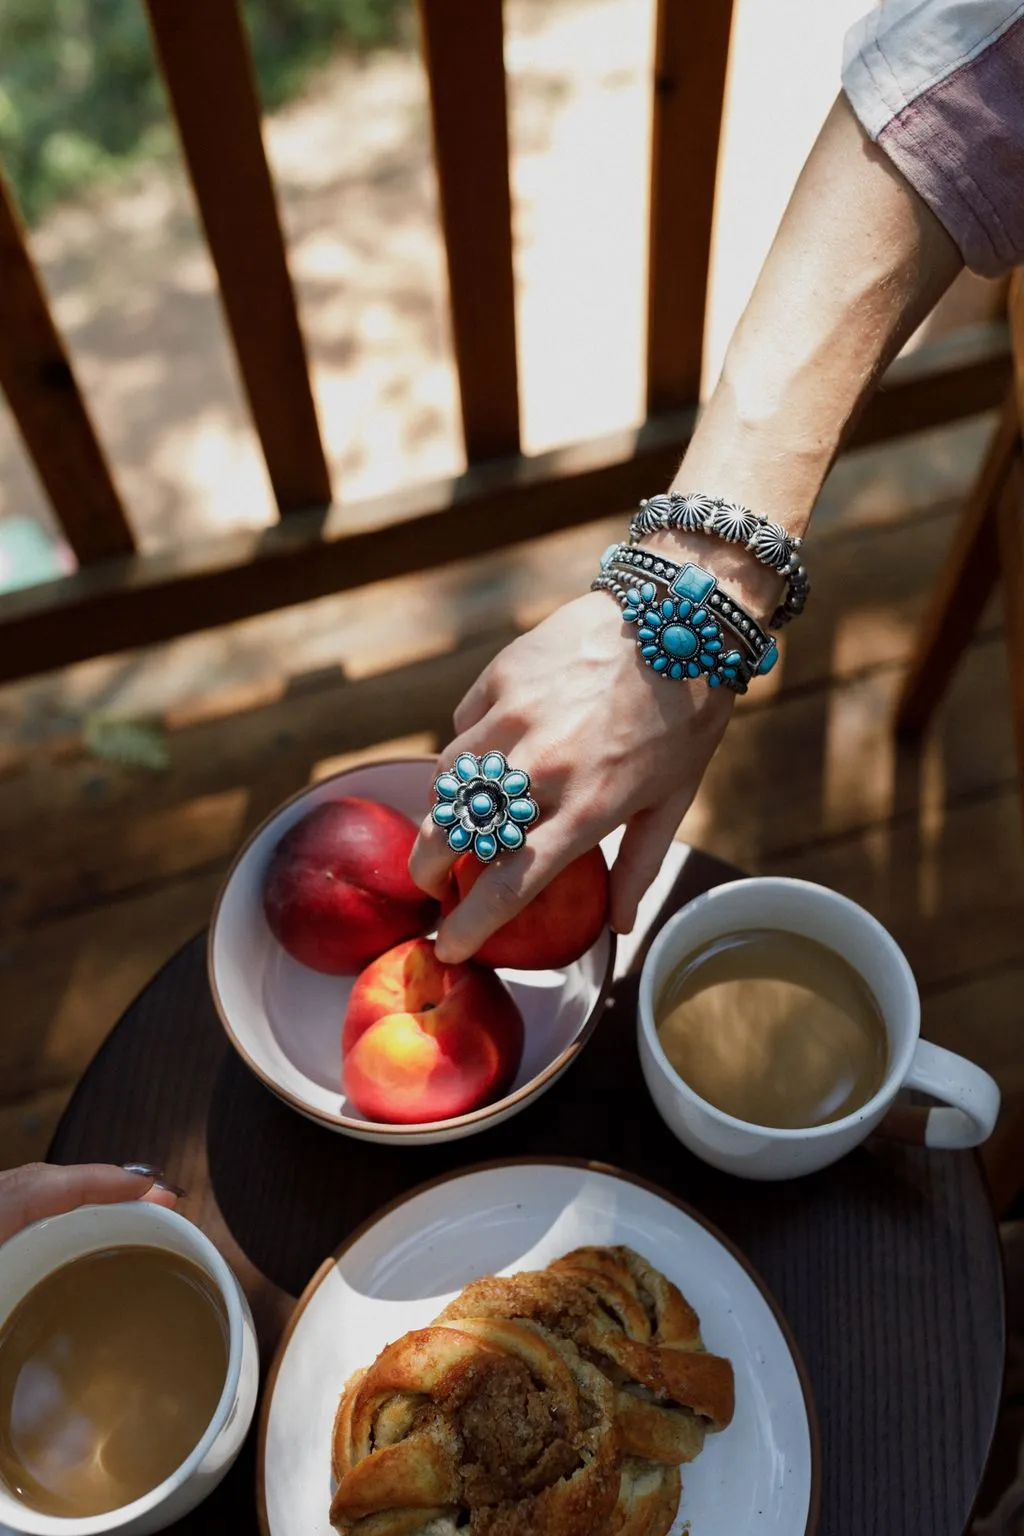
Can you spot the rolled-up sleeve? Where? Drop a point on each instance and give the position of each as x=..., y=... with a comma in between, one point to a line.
x=939, y=86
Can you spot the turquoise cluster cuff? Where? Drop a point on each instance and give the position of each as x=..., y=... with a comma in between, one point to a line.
x=485, y=805
x=686, y=626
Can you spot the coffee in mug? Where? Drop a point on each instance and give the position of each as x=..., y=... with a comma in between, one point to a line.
x=773, y=1028
x=768, y=911
x=111, y=1369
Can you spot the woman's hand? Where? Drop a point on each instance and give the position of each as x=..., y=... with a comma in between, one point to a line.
x=36, y=1190
x=605, y=742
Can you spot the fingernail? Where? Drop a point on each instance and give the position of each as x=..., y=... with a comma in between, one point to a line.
x=172, y=1189
x=144, y=1170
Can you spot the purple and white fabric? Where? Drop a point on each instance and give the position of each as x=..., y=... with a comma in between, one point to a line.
x=939, y=86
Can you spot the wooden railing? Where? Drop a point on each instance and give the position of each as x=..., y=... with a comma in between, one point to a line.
x=119, y=599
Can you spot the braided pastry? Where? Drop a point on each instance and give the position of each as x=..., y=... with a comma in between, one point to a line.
x=670, y=1389
x=556, y=1402
x=648, y=1499
x=489, y=1426
x=638, y=1328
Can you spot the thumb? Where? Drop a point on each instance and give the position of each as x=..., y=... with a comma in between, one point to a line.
x=38, y=1190
x=644, y=844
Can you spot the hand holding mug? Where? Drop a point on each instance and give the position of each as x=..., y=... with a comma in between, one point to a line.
x=37, y=1190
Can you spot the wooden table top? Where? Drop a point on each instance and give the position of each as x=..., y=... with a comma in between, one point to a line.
x=887, y=1266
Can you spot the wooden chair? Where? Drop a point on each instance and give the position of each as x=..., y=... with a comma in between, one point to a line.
x=989, y=546
x=119, y=599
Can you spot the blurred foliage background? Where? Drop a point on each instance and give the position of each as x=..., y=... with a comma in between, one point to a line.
x=81, y=99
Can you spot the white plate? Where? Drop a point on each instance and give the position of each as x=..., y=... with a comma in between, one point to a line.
x=284, y=1020
x=758, y=1476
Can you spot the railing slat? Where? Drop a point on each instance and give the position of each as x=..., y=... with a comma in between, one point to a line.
x=691, y=56
x=204, y=56
x=175, y=592
x=462, y=49
x=36, y=377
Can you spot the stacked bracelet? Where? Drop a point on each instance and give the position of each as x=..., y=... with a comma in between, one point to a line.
x=768, y=542
x=681, y=628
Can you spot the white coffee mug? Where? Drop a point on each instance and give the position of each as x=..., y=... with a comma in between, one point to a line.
x=31, y=1255
x=970, y=1097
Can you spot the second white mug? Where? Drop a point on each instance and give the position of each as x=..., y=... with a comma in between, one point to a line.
x=31, y=1255
x=970, y=1097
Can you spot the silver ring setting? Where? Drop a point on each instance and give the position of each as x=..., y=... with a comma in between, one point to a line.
x=483, y=804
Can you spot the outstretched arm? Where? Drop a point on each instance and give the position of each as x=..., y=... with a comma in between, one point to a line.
x=858, y=261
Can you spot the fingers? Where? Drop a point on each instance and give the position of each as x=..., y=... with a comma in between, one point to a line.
x=474, y=704
x=641, y=852
x=39, y=1190
x=161, y=1194
x=504, y=889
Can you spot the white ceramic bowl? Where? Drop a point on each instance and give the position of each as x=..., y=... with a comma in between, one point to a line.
x=284, y=1020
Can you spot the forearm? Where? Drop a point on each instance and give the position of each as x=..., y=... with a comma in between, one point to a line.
x=857, y=263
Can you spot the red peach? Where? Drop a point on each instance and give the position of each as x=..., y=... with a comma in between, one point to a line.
x=338, y=890
x=555, y=928
x=425, y=1041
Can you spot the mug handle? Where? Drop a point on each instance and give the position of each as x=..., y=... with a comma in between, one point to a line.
x=967, y=1116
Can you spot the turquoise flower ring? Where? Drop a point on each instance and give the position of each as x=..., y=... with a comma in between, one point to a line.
x=483, y=804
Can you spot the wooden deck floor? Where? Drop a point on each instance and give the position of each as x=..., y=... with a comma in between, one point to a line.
x=105, y=870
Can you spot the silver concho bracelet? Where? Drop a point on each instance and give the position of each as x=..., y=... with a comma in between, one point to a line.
x=768, y=542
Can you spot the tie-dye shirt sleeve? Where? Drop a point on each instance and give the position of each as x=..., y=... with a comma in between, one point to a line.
x=939, y=85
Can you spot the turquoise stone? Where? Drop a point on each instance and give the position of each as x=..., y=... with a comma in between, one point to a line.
x=608, y=556
x=647, y=634
x=467, y=767
x=485, y=846
x=648, y=651
x=510, y=835
x=679, y=641
x=493, y=765
x=647, y=591
x=652, y=618
x=660, y=663
x=694, y=583
x=481, y=805
x=516, y=782
x=714, y=681
x=459, y=838
x=768, y=660
x=692, y=669
x=447, y=786
x=676, y=670
x=668, y=609
x=444, y=815
x=633, y=596
x=630, y=615
x=523, y=811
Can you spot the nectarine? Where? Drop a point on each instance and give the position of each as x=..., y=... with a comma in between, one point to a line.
x=555, y=928
x=425, y=1041
x=338, y=890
